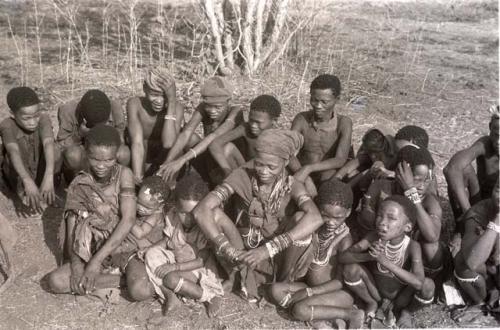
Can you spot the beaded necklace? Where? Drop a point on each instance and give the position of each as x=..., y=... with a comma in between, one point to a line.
x=395, y=254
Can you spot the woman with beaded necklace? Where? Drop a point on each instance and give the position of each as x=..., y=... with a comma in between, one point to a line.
x=274, y=214
x=394, y=272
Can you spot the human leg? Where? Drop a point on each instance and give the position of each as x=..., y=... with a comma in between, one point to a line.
x=281, y=292
x=359, y=281
x=138, y=285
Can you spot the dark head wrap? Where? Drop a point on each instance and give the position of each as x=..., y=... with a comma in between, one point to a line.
x=279, y=142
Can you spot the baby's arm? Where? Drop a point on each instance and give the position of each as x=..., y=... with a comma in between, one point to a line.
x=143, y=229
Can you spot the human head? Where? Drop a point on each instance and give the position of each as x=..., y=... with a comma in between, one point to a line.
x=396, y=216
x=188, y=192
x=421, y=164
x=154, y=81
x=494, y=129
x=325, y=91
x=101, y=144
x=24, y=104
x=274, y=147
x=94, y=108
x=264, y=111
x=375, y=144
x=152, y=195
x=216, y=93
x=411, y=134
x=334, y=201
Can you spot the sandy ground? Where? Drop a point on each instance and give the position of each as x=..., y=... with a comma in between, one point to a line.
x=430, y=63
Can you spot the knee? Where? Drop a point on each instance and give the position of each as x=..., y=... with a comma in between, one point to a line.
x=74, y=157
x=171, y=280
x=301, y=312
x=56, y=282
x=351, y=271
x=428, y=287
x=139, y=289
x=229, y=149
x=123, y=155
x=276, y=292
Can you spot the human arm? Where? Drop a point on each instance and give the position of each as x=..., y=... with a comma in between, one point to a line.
x=415, y=277
x=327, y=287
x=136, y=137
x=454, y=171
x=174, y=116
x=67, y=134
x=369, y=205
x=217, y=147
x=127, y=204
x=348, y=169
x=357, y=253
x=143, y=229
x=481, y=248
x=47, y=186
x=163, y=270
x=294, y=166
x=76, y=263
x=428, y=215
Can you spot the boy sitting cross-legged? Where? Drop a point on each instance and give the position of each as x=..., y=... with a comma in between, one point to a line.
x=99, y=214
x=182, y=263
x=392, y=272
x=236, y=147
x=323, y=298
x=30, y=155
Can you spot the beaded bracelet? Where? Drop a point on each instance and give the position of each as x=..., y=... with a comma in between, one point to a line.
x=309, y=292
x=193, y=152
x=412, y=194
x=493, y=226
x=169, y=117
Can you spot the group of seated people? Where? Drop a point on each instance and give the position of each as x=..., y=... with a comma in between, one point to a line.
x=290, y=216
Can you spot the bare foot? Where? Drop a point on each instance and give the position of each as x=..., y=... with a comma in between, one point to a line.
x=405, y=320
x=357, y=319
x=227, y=285
x=171, y=303
x=371, y=309
x=213, y=307
x=341, y=324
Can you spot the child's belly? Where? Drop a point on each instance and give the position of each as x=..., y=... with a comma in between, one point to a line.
x=387, y=285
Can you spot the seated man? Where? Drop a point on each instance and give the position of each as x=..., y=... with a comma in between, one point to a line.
x=477, y=262
x=465, y=187
x=99, y=213
x=76, y=118
x=375, y=159
x=218, y=117
x=154, y=121
x=264, y=112
x=392, y=270
x=30, y=156
x=327, y=134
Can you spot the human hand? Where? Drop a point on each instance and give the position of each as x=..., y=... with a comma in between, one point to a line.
x=87, y=281
x=377, y=170
x=377, y=250
x=168, y=171
x=32, y=194
x=47, y=189
x=455, y=244
x=141, y=253
x=77, y=269
x=298, y=296
x=404, y=175
x=163, y=270
x=253, y=257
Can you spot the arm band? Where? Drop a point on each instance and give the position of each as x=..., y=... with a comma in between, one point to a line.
x=412, y=194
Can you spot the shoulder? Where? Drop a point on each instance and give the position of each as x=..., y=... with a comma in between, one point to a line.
x=68, y=109
x=8, y=123
x=345, y=121
x=303, y=117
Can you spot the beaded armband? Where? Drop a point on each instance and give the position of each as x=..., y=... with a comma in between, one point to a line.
x=412, y=194
x=493, y=226
x=278, y=244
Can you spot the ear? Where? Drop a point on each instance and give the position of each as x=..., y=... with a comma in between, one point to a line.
x=348, y=213
x=408, y=227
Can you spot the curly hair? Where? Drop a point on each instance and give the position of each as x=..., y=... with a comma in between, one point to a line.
x=268, y=104
x=191, y=188
x=327, y=81
x=20, y=97
x=408, y=207
x=157, y=187
x=415, y=156
x=95, y=107
x=413, y=134
x=102, y=135
x=335, y=192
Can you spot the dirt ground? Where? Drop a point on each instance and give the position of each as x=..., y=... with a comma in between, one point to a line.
x=429, y=63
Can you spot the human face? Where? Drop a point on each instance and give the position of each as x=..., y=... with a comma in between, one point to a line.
x=184, y=208
x=28, y=117
x=391, y=221
x=494, y=128
x=147, y=203
x=101, y=160
x=259, y=121
x=155, y=98
x=216, y=110
x=422, y=176
x=268, y=167
x=335, y=215
x=323, y=101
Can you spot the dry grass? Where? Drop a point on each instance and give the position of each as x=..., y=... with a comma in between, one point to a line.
x=430, y=63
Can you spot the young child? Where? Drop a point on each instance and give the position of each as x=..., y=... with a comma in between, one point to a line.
x=323, y=299
x=393, y=271
x=99, y=213
x=327, y=134
x=218, y=117
x=76, y=118
x=412, y=135
x=30, y=157
x=182, y=262
x=264, y=112
x=476, y=264
x=151, y=210
x=465, y=187
x=154, y=121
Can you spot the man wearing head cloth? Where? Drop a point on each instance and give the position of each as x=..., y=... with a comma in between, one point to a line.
x=218, y=117
x=76, y=117
x=154, y=122
x=278, y=142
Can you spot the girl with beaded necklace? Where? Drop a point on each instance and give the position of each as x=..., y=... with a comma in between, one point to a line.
x=393, y=271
